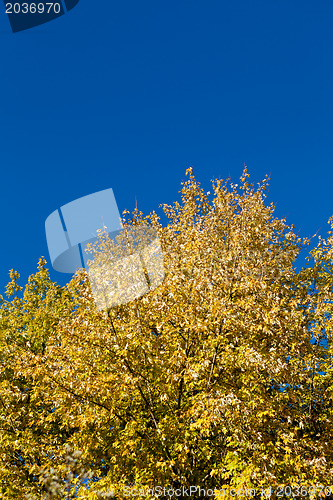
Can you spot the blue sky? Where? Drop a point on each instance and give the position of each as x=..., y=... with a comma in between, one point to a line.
x=130, y=94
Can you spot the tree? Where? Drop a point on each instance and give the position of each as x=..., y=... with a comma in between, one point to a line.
x=217, y=378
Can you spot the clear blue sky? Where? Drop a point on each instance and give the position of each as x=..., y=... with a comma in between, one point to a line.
x=130, y=94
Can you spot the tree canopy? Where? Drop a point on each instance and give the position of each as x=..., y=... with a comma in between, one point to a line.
x=221, y=377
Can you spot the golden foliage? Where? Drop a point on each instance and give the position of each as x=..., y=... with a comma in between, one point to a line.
x=210, y=379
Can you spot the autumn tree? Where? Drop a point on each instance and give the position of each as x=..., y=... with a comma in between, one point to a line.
x=221, y=377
